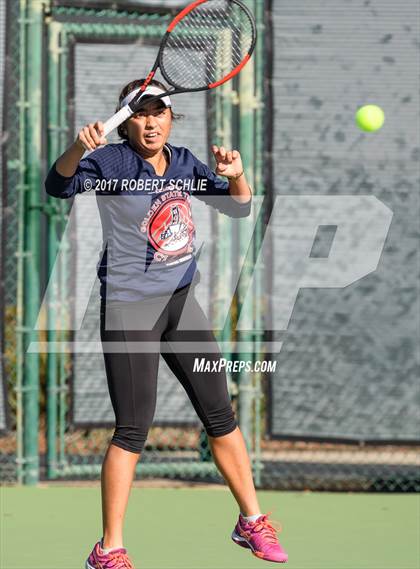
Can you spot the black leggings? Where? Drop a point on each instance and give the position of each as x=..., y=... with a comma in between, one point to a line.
x=132, y=373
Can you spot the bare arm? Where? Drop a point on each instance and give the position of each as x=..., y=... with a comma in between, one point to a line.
x=240, y=190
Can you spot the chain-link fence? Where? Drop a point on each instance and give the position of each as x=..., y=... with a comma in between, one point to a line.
x=348, y=370
x=11, y=224
x=100, y=56
x=340, y=411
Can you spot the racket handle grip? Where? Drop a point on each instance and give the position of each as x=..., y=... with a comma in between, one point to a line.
x=112, y=123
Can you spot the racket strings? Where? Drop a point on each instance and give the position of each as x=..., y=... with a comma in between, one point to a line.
x=200, y=62
x=206, y=45
x=201, y=35
x=231, y=53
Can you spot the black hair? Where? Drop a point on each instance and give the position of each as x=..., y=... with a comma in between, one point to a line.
x=122, y=131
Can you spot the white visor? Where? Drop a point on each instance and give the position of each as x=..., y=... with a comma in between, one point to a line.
x=150, y=90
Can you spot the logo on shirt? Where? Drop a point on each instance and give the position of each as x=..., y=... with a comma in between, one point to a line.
x=170, y=229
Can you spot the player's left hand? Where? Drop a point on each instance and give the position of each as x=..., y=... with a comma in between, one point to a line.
x=228, y=162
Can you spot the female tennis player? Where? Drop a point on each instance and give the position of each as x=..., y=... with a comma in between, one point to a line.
x=147, y=268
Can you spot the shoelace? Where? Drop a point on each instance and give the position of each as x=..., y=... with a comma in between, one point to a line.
x=267, y=529
x=119, y=560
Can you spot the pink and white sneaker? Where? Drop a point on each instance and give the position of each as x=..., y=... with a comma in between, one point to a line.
x=260, y=537
x=115, y=559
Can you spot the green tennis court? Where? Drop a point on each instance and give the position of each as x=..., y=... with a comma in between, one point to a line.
x=189, y=528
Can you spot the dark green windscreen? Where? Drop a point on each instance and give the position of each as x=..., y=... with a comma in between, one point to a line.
x=349, y=365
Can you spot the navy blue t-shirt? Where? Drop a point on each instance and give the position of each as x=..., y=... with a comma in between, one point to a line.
x=147, y=225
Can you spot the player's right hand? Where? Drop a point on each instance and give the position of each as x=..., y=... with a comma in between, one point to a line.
x=91, y=136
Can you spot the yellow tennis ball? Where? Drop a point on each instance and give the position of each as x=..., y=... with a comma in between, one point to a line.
x=370, y=118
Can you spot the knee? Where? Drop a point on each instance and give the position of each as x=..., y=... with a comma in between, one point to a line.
x=130, y=437
x=221, y=422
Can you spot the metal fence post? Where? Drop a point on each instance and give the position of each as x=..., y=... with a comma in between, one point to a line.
x=32, y=237
x=259, y=190
x=246, y=147
x=52, y=247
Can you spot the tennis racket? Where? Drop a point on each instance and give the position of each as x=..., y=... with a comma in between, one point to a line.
x=207, y=44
